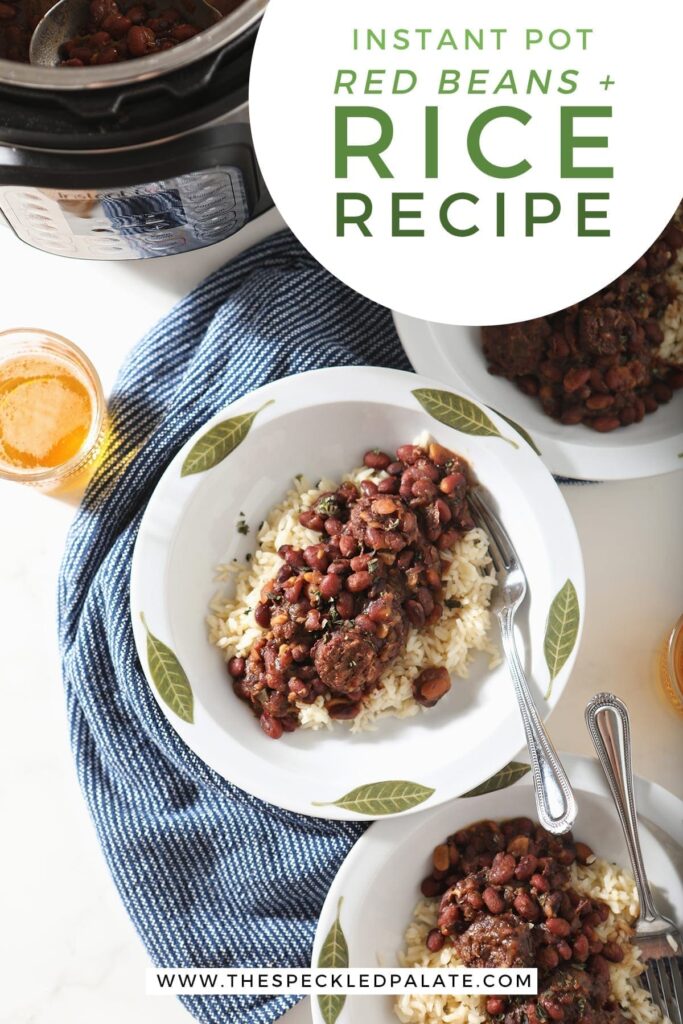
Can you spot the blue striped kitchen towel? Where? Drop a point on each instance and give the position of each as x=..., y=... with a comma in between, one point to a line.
x=209, y=875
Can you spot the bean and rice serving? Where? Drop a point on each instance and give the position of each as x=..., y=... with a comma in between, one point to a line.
x=511, y=895
x=362, y=598
x=611, y=359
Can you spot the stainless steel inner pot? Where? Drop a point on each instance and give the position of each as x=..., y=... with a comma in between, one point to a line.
x=145, y=69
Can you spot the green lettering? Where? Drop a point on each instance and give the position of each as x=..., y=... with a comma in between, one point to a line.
x=585, y=214
x=398, y=215
x=359, y=219
x=344, y=151
x=474, y=142
x=569, y=142
x=531, y=217
x=446, y=208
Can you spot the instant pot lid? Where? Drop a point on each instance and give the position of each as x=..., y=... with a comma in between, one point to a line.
x=146, y=69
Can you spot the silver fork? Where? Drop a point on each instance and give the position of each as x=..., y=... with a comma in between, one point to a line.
x=554, y=797
x=657, y=937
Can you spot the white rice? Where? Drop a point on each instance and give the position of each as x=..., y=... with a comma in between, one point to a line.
x=671, y=349
x=600, y=880
x=451, y=642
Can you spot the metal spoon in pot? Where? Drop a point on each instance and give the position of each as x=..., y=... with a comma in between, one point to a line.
x=67, y=18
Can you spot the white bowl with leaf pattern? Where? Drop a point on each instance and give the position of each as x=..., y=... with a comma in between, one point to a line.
x=240, y=464
x=371, y=901
x=454, y=356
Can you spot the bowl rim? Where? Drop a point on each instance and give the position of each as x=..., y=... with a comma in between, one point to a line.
x=565, y=455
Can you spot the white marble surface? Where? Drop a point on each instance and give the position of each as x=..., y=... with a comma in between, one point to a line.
x=69, y=954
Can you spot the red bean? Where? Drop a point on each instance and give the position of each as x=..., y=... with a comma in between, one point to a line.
x=292, y=556
x=271, y=726
x=430, y=887
x=389, y=485
x=140, y=40
x=330, y=586
x=359, y=563
x=348, y=545
x=584, y=854
x=409, y=454
x=262, y=614
x=662, y=392
x=340, y=567
x=526, y=907
x=344, y=710
x=313, y=621
x=368, y=488
x=540, y=883
x=317, y=557
x=380, y=610
x=415, y=613
x=435, y=941
x=359, y=581
x=333, y=526
x=311, y=519
x=576, y=378
x=117, y=25
x=375, y=459
x=604, y=424
x=613, y=952
x=424, y=489
x=552, y=1009
x=452, y=483
x=365, y=623
x=503, y=869
x=493, y=900
x=526, y=867
x=431, y=685
x=558, y=927
x=183, y=32
x=495, y=1005
x=237, y=667
x=344, y=605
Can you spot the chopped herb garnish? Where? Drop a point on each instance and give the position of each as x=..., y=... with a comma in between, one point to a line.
x=452, y=602
x=247, y=557
x=328, y=506
x=299, y=477
x=373, y=565
x=242, y=525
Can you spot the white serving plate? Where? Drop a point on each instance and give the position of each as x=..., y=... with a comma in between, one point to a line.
x=321, y=423
x=379, y=881
x=454, y=356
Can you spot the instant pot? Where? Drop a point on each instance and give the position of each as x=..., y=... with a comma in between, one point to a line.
x=143, y=158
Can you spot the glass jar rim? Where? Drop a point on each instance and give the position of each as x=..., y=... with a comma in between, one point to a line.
x=69, y=351
x=675, y=638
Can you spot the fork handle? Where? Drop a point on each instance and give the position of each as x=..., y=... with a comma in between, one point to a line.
x=608, y=724
x=554, y=797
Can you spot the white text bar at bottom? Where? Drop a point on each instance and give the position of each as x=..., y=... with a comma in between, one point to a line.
x=355, y=981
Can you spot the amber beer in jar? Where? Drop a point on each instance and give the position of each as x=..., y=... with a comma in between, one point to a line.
x=671, y=666
x=52, y=412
